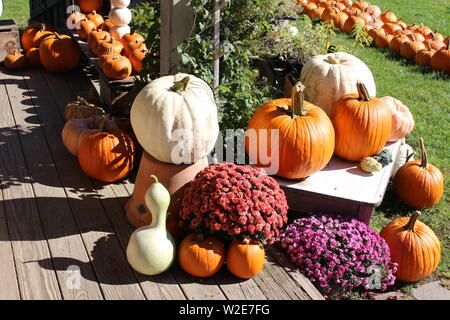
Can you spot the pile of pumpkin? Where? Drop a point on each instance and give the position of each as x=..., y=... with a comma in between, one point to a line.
x=119, y=51
x=412, y=42
x=45, y=47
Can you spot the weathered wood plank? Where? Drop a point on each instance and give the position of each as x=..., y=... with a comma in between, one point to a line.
x=88, y=211
x=56, y=215
x=25, y=228
x=238, y=289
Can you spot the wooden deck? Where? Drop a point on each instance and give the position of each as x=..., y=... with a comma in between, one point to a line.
x=56, y=223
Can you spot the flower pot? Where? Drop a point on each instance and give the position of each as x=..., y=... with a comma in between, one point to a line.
x=174, y=177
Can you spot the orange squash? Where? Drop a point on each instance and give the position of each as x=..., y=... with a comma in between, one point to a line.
x=86, y=27
x=441, y=59
x=33, y=57
x=15, y=61
x=245, y=258
x=95, y=18
x=28, y=35
x=59, y=53
x=117, y=67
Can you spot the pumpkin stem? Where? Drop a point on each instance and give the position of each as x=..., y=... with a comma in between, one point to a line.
x=246, y=240
x=362, y=91
x=58, y=36
x=412, y=221
x=332, y=60
x=424, y=161
x=408, y=156
x=297, y=99
x=179, y=86
x=155, y=178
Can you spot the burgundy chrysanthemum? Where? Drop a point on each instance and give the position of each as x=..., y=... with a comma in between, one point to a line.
x=235, y=201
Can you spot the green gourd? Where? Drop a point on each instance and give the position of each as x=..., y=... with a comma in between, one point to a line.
x=151, y=249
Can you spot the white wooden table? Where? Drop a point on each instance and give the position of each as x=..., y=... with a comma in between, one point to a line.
x=340, y=188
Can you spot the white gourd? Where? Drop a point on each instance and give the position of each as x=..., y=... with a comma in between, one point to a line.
x=151, y=249
x=175, y=119
x=328, y=77
x=120, y=16
x=120, y=3
x=403, y=153
x=119, y=31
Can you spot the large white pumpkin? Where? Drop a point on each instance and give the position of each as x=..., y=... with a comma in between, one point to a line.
x=119, y=31
x=328, y=77
x=120, y=3
x=175, y=118
x=120, y=16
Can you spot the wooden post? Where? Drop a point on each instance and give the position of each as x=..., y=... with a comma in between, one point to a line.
x=176, y=25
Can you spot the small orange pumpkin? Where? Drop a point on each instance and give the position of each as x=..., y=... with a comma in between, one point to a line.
x=413, y=246
x=95, y=18
x=136, y=59
x=408, y=49
x=86, y=27
x=117, y=67
x=103, y=46
x=419, y=184
x=245, y=258
x=59, y=53
x=200, y=256
x=90, y=5
x=95, y=37
x=15, y=61
x=29, y=33
x=423, y=57
x=33, y=57
x=441, y=59
x=388, y=16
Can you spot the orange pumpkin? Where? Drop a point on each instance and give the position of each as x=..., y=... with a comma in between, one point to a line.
x=305, y=136
x=33, y=57
x=419, y=184
x=132, y=46
x=388, y=16
x=339, y=19
x=95, y=37
x=28, y=35
x=107, y=25
x=392, y=28
x=95, y=18
x=86, y=27
x=107, y=156
x=361, y=5
x=132, y=37
x=103, y=46
x=423, y=57
x=409, y=49
x=200, y=256
x=59, y=53
x=362, y=125
x=15, y=61
x=396, y=42
x=441, y=59
x=383, y=40
x=245, y=258
x=90, y=5
x=117, y=67
x=349, y=24
x=102, y=58
x=413, y=246
x=136, y=59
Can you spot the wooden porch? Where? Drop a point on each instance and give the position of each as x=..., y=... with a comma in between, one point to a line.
x=56, y=223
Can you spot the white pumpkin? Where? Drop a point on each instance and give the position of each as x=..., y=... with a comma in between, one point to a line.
x=402, y=119
x=120, y=16
x=406, y=152
x=328, y=77
x=120, y=3
x=175, y=118
x=119, y=31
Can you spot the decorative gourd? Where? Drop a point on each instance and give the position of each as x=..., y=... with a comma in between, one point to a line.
x=419, y=184
x=75, y=130
x=174, y=106
x=59, y=53
x=119, y=31
x=115, y=45
x=306, y=135
x=74, y=20
x=151, y=249
x=441, y=59
x=15, y=61
x=245, y=258
x=107, y=156
x=409, y=49
x=29, y=33
x=414, y=246
x=120, y=3
x=81, y=109
x=369, y=164
x=200, y=256
x=95, y=18
x=402, y=119
x=329, y=77
x=117, y=67
x=120, y=16
x=405, y=154
x=136, y=58
x=33, y=57
x=90, y=5
x=86, y=27
x=362, y=124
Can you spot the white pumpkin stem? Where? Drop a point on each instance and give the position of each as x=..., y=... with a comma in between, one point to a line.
x=362, y=91
x=179, y=86
x=424, y=162
x=155, y=178
x=412, y=221
x=297, y=99
x=332, y=60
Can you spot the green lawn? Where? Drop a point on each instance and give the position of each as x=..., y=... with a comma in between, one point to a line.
x=427, y=93
x=18, y=10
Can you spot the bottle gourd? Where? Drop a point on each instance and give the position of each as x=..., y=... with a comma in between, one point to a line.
x=151, y=249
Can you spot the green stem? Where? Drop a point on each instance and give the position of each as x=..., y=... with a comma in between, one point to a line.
x=297, y=100
x=412, y=221
x=179, y=86
x=332, y=60
x=424, y=162
x=362, y=91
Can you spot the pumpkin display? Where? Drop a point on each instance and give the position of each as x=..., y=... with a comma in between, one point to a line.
x=29, y=33
x=419, y=184
x=136, y=58
x=151, y=249
x=362, y=124
x=132, y=46
x=349, y=25
x=96, y=18
x=33, y=57
x=75, y=130
x=176, y=113
x=201, y=256
x=119, y=31
x=402, y=119
x=107, y=156
x=441, y=59
x=81, y=109
x=90, y=5
x=423, y=57
x=383, y=40
x=120, y=16
x=132, y=37
x=375, y=32
x=73, y=20
x=102, y=58
x=329, y=77
x=306, y=136
x=339, y=19
x=405, y=154
x=115, y=45
x=117, y=67
x=245, y=258
x=396, y=42
x=86, y=27
x=409, y=49
x=15, y=61
x=59, y=53
x=413, y=246
x=107, y=25
x=95, y=37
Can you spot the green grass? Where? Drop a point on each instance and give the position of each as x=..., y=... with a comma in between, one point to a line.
x=18, y=10
x=427, y=94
